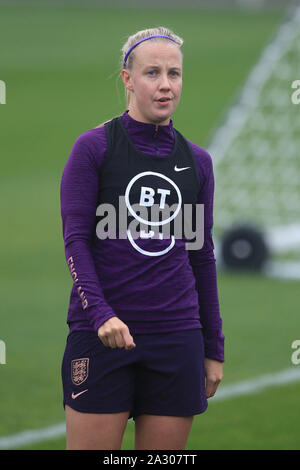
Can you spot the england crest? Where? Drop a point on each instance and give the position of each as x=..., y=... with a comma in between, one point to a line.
x=79, y=370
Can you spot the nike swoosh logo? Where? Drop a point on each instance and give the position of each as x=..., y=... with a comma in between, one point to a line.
x=77, y=394
x=180, y=169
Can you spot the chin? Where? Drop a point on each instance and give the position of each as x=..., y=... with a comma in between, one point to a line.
x=160, y=119
x=163, y=114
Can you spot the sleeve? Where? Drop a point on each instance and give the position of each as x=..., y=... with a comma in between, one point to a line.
x=78, y=195
x=204, y=267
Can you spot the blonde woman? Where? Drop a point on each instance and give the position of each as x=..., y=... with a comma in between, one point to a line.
x=145, y=339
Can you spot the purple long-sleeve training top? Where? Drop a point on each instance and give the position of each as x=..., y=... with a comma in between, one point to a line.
x=165, y=293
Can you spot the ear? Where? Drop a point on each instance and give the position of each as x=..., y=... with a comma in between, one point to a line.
x=127, y=79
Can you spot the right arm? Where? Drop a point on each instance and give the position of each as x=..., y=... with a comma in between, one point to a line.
x=78, y=194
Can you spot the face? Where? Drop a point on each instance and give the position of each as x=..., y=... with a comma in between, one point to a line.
x=156, y=73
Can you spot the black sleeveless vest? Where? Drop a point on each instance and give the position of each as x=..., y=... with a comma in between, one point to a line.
x=145, y=181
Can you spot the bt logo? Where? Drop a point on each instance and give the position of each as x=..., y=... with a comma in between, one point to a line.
x=146, y=199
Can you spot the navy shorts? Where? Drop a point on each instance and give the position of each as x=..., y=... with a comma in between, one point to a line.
x=163, y=375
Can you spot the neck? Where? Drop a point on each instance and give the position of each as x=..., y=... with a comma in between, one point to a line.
x=137, y=116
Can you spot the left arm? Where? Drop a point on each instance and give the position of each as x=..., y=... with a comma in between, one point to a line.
x=204, y=267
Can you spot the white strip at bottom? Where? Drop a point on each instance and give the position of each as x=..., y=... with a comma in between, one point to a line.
x=246, y=387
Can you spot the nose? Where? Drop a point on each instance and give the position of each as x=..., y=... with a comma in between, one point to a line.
x=164, y=82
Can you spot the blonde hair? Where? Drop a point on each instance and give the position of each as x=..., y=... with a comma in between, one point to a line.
x=133, y=39
x=137, y=37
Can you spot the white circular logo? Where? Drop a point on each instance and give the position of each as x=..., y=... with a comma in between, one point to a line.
x=147, y=199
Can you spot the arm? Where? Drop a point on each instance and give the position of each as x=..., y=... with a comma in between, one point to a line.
x=78, y=193
x=204, y=264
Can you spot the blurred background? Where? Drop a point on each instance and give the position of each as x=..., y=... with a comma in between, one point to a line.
x=59, y=76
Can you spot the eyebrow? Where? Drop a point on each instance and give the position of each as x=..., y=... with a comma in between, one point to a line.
x=157, y=67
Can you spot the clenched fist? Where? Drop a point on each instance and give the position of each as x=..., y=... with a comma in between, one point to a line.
x=115, y=334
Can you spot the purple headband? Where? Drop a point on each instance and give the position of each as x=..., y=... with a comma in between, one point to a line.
x=148, y=37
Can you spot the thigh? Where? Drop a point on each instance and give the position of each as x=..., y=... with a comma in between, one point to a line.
x=96, y=378
x=171, y=378
x=161, y=432
x=94, y=431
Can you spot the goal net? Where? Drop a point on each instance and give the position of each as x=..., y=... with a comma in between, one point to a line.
x=256, y=151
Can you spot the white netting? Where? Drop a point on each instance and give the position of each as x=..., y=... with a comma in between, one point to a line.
x=256, y=153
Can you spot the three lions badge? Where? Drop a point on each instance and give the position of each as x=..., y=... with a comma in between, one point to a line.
x=79, y=370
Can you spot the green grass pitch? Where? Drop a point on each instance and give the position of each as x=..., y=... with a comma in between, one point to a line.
x=60, y=66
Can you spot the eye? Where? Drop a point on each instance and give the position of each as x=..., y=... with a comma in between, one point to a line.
x=174, y=72
x=151, y=72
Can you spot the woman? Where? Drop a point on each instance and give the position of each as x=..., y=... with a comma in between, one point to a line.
x=137, y=346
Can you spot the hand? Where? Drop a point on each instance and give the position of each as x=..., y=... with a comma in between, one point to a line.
x=214, y=375
x=115, y=334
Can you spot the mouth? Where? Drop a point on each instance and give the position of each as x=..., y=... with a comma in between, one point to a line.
x=163, y=101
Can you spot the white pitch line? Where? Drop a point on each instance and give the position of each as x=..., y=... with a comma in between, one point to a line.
x=246, y=387
x=256, y=385
x=30, y=437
